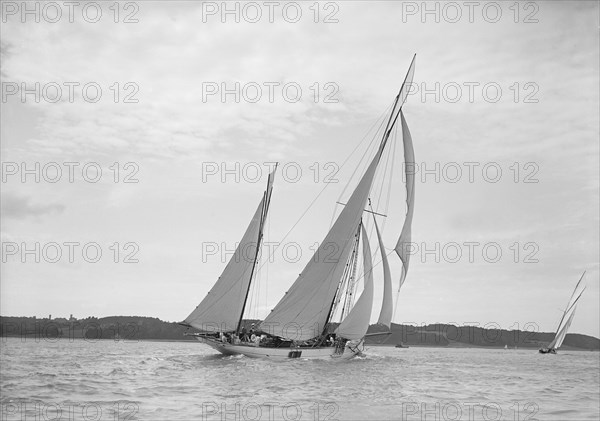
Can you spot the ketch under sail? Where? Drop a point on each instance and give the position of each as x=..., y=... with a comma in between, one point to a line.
x=298, y=326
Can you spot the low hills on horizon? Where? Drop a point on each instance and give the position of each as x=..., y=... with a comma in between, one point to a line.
x=135, y=328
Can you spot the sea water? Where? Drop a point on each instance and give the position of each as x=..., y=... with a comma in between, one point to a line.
x=145, y=380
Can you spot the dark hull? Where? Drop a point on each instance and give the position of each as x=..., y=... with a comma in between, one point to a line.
x=547, y=351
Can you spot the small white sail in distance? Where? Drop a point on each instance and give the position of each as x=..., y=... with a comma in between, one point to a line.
x=562, y=333
x=356, y=323
x=224, y=304
x=567, y=317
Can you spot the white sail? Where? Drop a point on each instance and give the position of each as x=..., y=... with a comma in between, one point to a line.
x=403, y=245
x=562, y=333
x=221, y=309
x=356, y=323
x=387, y=306
x=303, y=311
x=565, y=321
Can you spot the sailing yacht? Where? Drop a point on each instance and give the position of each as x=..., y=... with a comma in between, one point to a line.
x=300, y=325
x=565, y=321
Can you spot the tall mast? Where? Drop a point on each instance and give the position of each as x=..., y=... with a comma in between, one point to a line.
x=400, y=98
x=349, y=299
x=309, y=301
x=397, y=107
x=266, y=202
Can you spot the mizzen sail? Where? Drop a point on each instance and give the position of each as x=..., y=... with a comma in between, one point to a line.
x=223, y=306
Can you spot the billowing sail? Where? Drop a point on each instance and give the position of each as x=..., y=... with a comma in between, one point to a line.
x=303, y=311
x=387, y=306
x=403, y=245
x=222, y=307
x=356, y=323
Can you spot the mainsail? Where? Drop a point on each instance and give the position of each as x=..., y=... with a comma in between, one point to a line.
x=222, y=308
x=356, y=323
x=402, y=246
x=304, y=311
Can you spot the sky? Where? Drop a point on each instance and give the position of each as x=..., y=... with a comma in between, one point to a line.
x=136, y=164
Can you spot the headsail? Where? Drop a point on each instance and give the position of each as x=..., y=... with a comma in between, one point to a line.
x=223, y=306
x=356, y=324
x=402, y=246
x=387, y=306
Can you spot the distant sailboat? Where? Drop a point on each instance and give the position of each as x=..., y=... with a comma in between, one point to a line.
x=565, y=321
x=300, y=325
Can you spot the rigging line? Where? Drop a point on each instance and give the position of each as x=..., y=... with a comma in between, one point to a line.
x=375, y=265
x=369, y=147
x=267, y=269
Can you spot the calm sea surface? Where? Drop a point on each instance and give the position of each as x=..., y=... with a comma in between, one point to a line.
x=109, y=380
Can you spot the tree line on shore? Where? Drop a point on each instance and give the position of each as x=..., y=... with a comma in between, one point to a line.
x=135, y=328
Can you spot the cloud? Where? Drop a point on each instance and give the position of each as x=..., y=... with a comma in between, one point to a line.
x=20, y=207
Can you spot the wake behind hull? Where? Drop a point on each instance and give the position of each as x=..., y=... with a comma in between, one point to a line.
x=251, y=351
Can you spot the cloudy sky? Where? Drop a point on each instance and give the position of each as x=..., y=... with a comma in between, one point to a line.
x=503, y=113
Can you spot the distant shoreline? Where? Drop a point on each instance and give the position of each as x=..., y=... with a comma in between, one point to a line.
x=138, y=328
x=134, y=341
